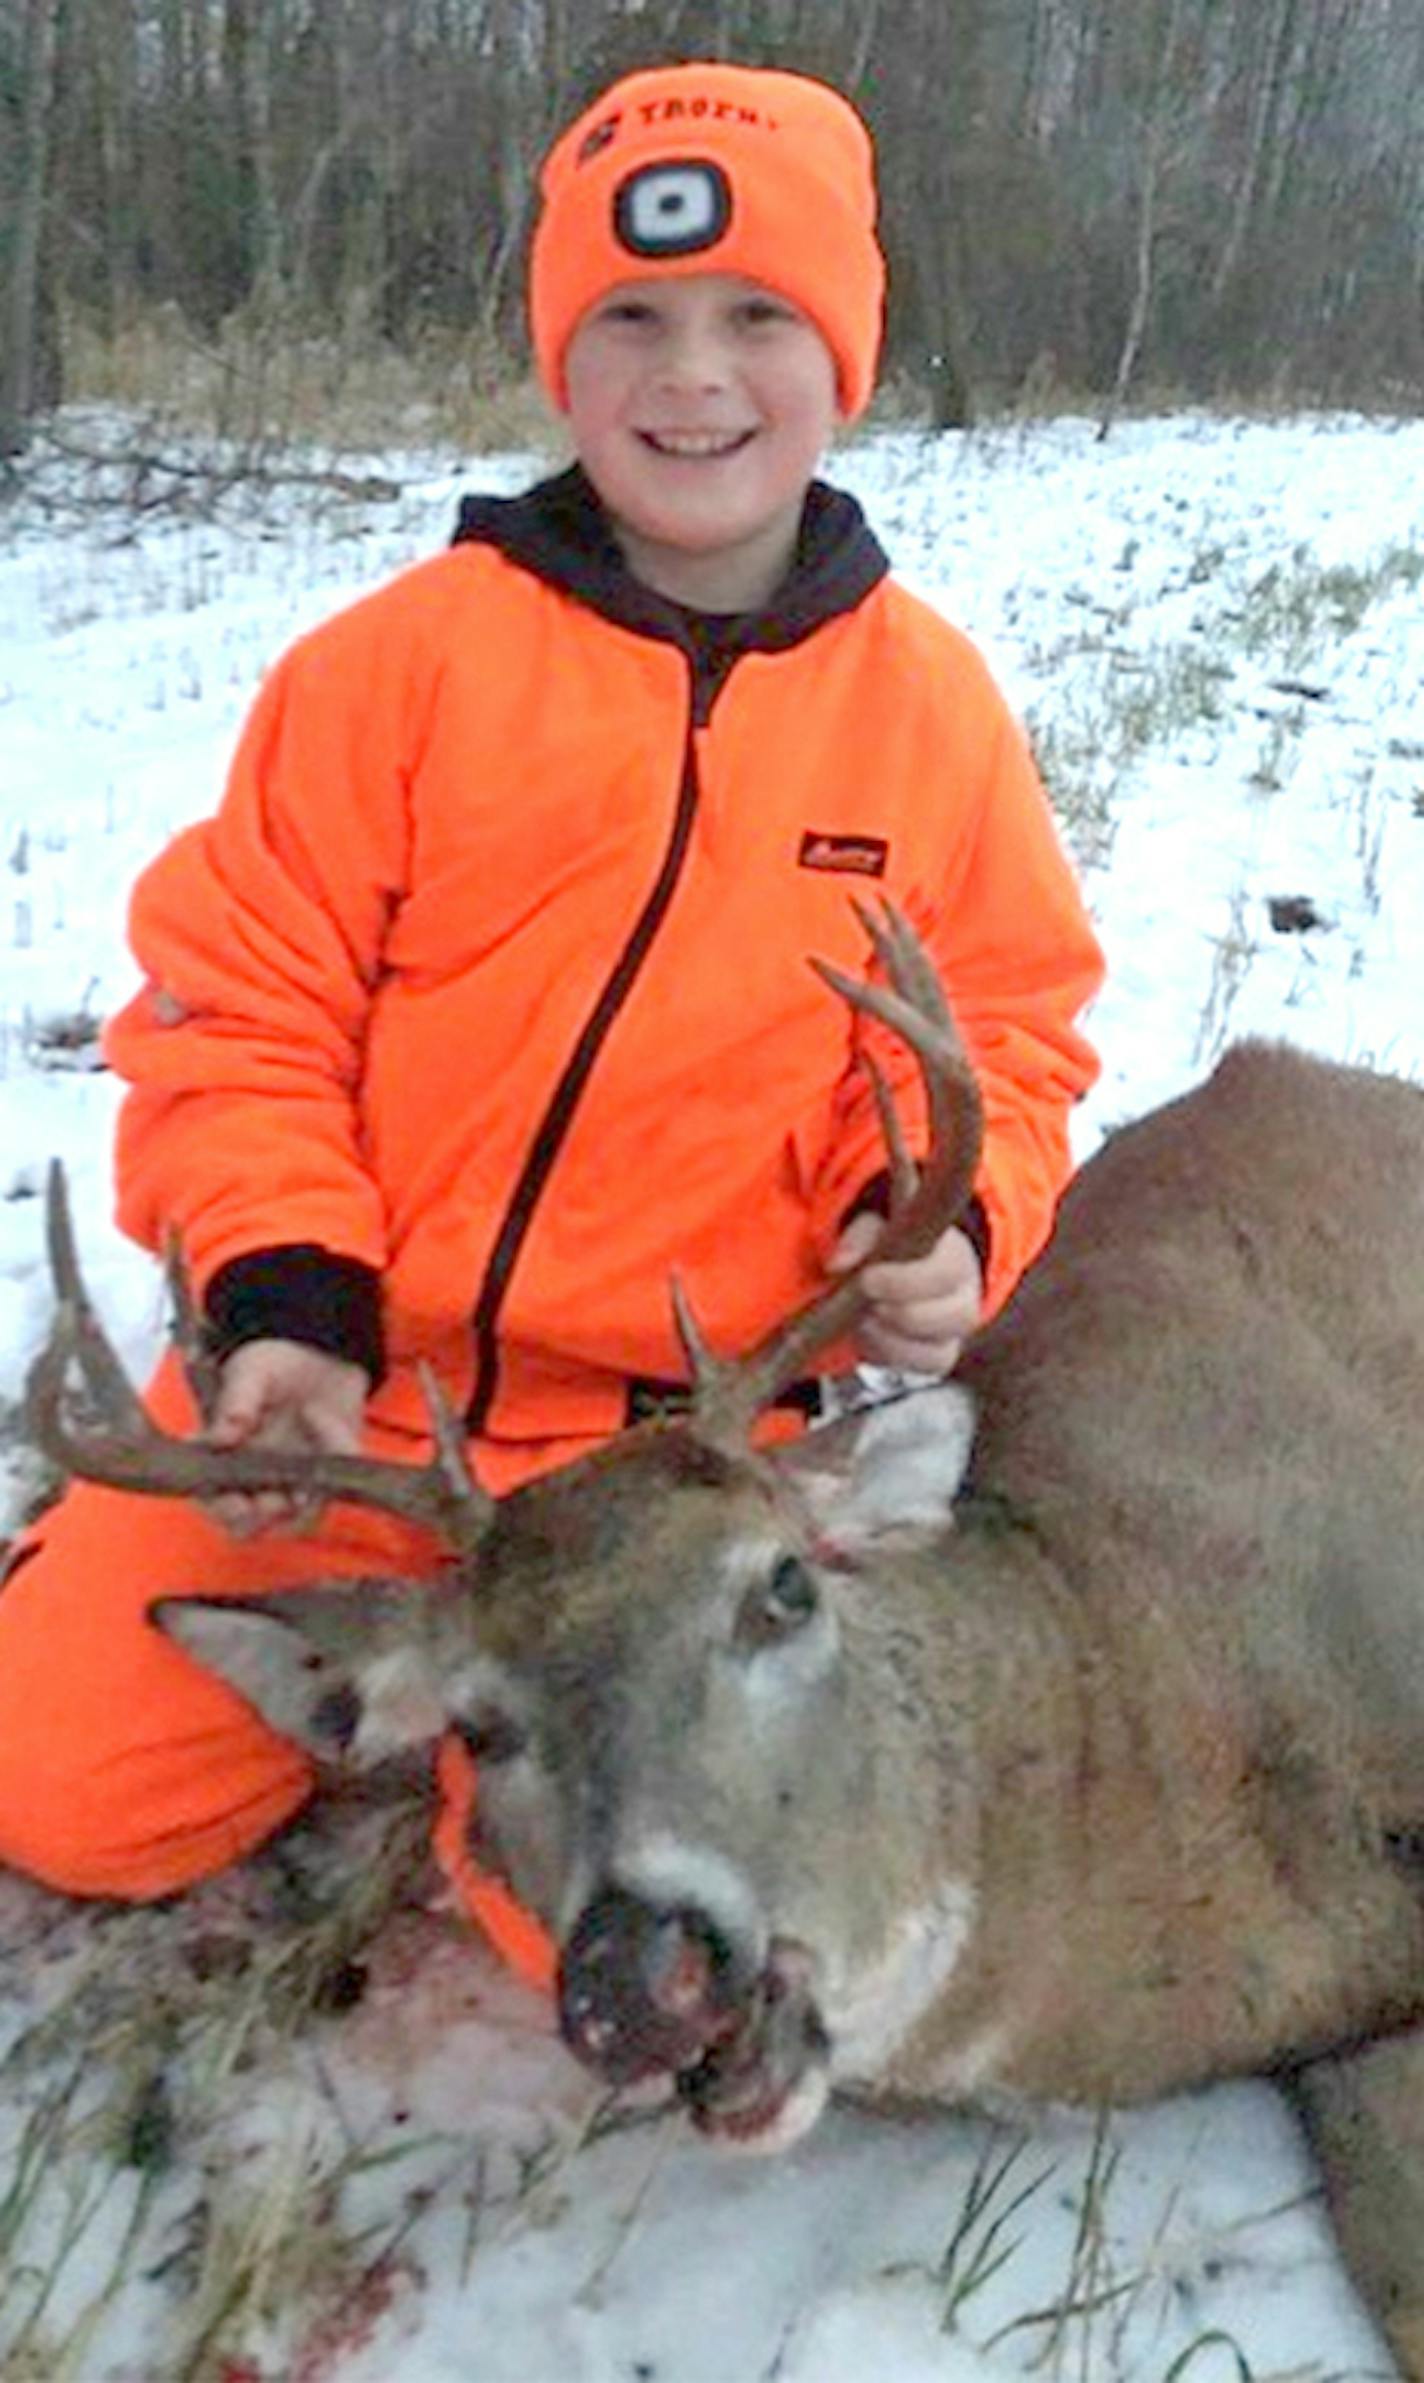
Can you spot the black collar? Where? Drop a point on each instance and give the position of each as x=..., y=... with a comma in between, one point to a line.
x=559, y=531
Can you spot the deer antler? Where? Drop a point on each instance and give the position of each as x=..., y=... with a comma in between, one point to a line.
x=729, y=1393
x=117, y=1443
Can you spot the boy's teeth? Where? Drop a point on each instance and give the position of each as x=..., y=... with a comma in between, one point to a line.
x=696, y=442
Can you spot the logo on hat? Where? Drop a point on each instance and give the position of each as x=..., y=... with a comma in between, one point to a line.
x=672, y=210
x=599, y=137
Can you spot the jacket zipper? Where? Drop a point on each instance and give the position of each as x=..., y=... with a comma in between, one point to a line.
x=563, y=1104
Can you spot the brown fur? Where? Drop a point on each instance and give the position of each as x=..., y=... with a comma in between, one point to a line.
x=1139, y=1738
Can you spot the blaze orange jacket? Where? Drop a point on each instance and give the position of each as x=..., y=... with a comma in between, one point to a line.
x=482, y=1006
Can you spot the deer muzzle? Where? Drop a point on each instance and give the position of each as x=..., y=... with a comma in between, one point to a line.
x=649, y=1993
x=643, y=1992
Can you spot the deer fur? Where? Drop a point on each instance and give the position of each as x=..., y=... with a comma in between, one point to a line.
x=1079, y=1758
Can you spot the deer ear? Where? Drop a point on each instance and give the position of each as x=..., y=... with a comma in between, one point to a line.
x=887, y=1471
x=348, y=1671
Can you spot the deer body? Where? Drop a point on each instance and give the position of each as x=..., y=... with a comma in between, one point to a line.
x=1080, y=1768
x=1195, y=1431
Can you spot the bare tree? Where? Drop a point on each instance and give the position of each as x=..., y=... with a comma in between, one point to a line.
x=1156, y=147
x=1266, y=108
x=1233, y=187
x=18, y=373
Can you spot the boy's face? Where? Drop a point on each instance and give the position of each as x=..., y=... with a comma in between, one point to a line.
x=699, y=407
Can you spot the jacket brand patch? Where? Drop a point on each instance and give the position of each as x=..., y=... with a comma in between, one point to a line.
x=862, y=856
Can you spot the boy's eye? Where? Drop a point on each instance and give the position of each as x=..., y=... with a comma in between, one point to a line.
x=755, y=311
x=626, y=310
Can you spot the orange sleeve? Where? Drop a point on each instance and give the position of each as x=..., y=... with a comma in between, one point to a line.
x=260, y=934
x=1019, y=961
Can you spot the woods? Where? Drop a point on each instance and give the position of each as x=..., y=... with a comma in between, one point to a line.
x=1204, y=198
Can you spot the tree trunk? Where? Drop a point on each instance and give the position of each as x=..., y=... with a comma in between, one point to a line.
x=1148, y=216
x=247, y=41
x=941, y=311
x=1265, y=119
x=18, y=374
x=858, y=66
x=116, y=41
x=513, y=190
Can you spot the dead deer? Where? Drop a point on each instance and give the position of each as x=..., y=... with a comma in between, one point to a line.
x=1106, y=1782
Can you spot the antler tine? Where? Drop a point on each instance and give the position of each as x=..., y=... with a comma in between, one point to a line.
x=201, y=1369
x=924, y=1200
x=466, y=1510
x=714, y=1379
x=703, y=1368
x=124, y=1449
x=77, y=1333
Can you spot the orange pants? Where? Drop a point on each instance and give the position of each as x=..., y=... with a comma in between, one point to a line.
x=127, y=1770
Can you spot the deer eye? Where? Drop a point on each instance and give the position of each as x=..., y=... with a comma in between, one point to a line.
x=782, y=1603
x=336, y=1716
x=490, y=1735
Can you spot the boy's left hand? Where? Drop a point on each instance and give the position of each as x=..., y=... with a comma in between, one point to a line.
x=921, y=1310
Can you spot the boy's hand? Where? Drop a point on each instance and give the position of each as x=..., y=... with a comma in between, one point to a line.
x=281, y=1394
x=921, y=1310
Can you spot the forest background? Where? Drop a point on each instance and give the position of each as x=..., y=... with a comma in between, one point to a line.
x=308, y=217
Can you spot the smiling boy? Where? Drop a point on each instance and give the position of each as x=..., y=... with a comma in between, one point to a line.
x=700, y=409
x=481, y=1006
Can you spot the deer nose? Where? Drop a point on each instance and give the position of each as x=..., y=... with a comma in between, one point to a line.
x=642, y=1992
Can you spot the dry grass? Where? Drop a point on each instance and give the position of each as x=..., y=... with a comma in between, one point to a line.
x=147, y=2039
x=271, y=383
x=161, y=2156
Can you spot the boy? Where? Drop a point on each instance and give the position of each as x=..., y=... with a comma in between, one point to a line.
x=482, y=1005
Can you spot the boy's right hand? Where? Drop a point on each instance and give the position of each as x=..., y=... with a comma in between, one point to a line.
x=281, y=1394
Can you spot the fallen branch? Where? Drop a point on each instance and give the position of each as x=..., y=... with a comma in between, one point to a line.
x=152, y=480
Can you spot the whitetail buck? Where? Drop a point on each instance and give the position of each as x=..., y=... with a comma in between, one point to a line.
x=1108, y=1782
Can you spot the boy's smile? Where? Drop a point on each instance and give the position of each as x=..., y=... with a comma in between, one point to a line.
x=696, y=442
x=700, y=406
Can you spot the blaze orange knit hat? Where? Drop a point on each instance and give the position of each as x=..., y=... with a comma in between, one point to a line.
x=714, y=169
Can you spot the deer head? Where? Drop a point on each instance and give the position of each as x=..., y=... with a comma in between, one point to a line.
x=653, y=1655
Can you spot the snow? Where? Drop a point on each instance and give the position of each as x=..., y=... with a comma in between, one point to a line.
x=1217, y=631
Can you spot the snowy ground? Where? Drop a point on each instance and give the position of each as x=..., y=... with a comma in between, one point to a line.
x=1217, y=629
